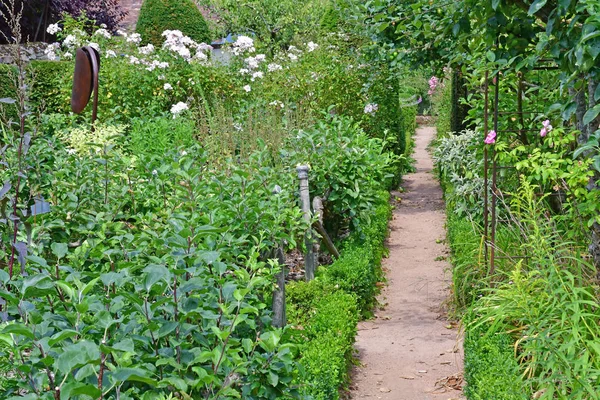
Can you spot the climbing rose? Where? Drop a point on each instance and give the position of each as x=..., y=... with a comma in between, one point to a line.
x=491, y=137
x=546, y=129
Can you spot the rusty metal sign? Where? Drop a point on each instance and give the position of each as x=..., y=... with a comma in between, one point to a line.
x=85, y=80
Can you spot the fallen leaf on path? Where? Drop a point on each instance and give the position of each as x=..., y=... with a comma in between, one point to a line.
x=422, y=371
x=385, y=390
x=410, y=378
x=446, y=362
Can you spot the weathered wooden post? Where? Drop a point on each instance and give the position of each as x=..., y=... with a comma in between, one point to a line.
x=279, y=317
x=309, y=257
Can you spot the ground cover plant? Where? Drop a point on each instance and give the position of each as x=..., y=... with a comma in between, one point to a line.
x=138, y=258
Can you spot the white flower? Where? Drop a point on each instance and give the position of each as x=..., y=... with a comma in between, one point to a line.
x=67, y=55
x=201, y=56
x=292, y=56
x=121, y=32
x=71, y=151
x=247, y=88
x=242, y=45
x=110, y=54
x=103, y=32
x=274, y=67
x=163, y=65
x=314, y=75
x=50, y=51
x=161, y=77
x=251, y=62
x=167, y=86
x=53, y=29
x=257, y=75
x=94, y=45
x=103, y=26
x=178, y=108
x=244, y=71
x=371, y=108
x=260, y=57
x=183, y=153
x=277, y=104
x=134, y=60
x=135, y=38
x=70, y=41
x=146, y=50
x=312, y=46
x=237, y=126
x=154, y=172
x=204, y=47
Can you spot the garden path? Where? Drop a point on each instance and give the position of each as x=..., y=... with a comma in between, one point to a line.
x=410, y=351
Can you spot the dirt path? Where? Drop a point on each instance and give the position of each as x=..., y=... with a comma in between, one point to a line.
x=409, y=351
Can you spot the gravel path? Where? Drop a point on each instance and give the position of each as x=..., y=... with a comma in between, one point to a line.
x=410, y=351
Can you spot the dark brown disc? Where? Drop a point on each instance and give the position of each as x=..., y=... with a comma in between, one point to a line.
x=82, y=82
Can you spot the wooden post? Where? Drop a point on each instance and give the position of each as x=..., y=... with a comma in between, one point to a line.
x=318, y=225
x=309, y=257
x=279, y=317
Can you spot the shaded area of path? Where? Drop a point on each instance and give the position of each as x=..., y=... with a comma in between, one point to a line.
x=410, y=351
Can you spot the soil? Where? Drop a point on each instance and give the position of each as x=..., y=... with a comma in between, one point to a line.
x=410, y=350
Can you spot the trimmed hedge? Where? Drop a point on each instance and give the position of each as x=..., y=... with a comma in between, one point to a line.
x=328, y=308
x=7, y=91
x=156, y=16
x=491, y=370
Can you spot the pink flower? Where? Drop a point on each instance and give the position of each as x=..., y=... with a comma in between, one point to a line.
x=546, y=129
x=491, y=137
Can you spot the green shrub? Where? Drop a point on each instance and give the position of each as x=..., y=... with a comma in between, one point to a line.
x=491, y=370
x=154, y=136
x=51, y=87
x=156, y=16
x=7, y=90
x=329, y=319
x=358, y=270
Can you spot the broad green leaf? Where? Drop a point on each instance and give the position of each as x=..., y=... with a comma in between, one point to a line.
x=72, y=389
x=77, y=355
x=59, y=249
x=36, y=283
x=133, y=374
x=60, y=336
x=591, y=114
x=536, y=6
x=154, y=274
x=19, y=329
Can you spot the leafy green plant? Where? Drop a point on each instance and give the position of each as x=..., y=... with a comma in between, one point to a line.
x=157, y=135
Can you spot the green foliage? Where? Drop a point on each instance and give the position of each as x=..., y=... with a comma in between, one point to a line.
x=157, y=135
x=349, y=180
x=328, y=317
x=157, y=16
x=491, y=370
x=51, y=88
x=459, y=163
x=357, y=271
x=83, y=138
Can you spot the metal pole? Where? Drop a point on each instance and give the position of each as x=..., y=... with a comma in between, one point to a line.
x=486, y=199
x=279, y=317
x=494, y=176
x=309, y=257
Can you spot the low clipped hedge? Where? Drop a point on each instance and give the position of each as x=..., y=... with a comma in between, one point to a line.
x=7, y=91
x=156, y=16
x=491, y=370
x=327, y=309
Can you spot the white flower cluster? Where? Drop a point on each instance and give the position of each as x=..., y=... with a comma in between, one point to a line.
x=247, y=88
x=371, y=108
x=53, y=29
x=178, y=108
x=94, y=45
x=312, y=46
x=146, y=50
x=176, y=42
x=110, y=54
x=274, y=67
x=243, y=44
x=134, y=38
x=254, y=62
x=257, y=75
x=50, y=51
x=167, y=86
x=152, y=65
x=277, y=104
x=104, y=33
